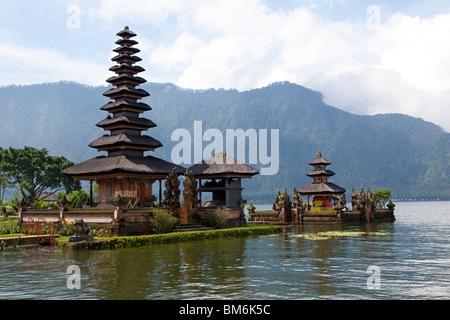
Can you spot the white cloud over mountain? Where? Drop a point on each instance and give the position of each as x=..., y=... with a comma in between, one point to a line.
x=399, y=66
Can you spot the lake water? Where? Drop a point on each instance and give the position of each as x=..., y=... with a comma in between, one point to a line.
x=407, y=259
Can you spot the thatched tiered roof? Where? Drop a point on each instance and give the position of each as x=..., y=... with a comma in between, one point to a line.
x=123, y=165
x=125, y=143
x=222, y=166
x=125, y=124
x=321, y=186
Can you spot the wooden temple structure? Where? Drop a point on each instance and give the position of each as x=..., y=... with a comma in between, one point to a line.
x=324, y=194
x=221, y=176
x=125, y=173
x=325, y=203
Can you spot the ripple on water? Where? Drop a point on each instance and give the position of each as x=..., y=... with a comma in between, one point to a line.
x=318, y=262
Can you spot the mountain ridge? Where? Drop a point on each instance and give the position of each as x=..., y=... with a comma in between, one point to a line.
x=408, y=155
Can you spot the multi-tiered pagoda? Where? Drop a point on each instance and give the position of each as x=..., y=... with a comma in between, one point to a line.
x=323, y=192
x=125, y=172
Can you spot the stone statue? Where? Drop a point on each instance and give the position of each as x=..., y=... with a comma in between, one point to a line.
x=285, y=206
x=369, y=193
x=361, y=200
x=251, y=208
x=172, y=193
x=190, y=193
x=370, y=206
x=82, y=231
x=391, y=205
x=275, y=206
x=342, y=201
x=297, y=203
x=63, y=203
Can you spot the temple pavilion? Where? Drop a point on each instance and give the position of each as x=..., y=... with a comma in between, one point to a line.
x=125, y=172
x=221, y=176
x=324, y=193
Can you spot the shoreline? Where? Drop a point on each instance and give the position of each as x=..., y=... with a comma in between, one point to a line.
x=154, y=239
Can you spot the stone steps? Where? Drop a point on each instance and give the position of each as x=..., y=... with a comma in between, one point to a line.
x=266, y=216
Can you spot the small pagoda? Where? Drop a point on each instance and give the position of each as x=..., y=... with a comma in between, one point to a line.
x=324, y=193
x=125, y=172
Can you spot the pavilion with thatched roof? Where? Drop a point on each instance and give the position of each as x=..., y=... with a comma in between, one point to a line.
x=223, y=175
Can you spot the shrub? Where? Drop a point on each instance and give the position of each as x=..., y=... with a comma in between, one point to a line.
x=40, y=204
x=10, y=210
x=5, y=229
x=381, y=197
x=66, y=229
x=161, y=221
x=217, y=219
x=77, y=198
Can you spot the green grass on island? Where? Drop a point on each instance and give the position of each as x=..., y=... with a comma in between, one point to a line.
x=135, y=241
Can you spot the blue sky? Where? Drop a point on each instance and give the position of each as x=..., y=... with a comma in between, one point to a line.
x=366, y=57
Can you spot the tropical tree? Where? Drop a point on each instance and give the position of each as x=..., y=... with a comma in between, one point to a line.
x=381, y=197
x=77, y=198
x=33, y=172
x=5, y=184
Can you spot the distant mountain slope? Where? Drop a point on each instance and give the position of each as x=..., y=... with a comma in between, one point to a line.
x=407, y=155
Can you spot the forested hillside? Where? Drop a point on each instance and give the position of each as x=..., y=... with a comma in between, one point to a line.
x=407, y=155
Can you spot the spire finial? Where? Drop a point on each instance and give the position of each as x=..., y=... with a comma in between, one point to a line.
x=319, y=154
x=126, y=28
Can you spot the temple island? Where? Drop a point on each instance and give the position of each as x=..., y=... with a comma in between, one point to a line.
x=126, y=176
x=325, y=203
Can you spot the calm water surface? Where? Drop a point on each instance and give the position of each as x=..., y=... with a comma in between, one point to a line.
x=412, y=256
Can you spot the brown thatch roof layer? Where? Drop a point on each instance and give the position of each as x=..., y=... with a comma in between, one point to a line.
x=125, y=104
x=222, y=166
x=126, y=50
x=126, y=68
x=126, y=33
x=126, y=42
x=124, y=90
x=47, y=197
x=123, y=164
x=319, y=160
x=321, y=188
x=122, y=120
x=125, y=58
x=126, y=139
x=126, y=78
x=320, y=173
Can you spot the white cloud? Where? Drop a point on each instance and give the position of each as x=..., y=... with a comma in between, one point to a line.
x=405, y=70
x=402, y=66
x=30, y=66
